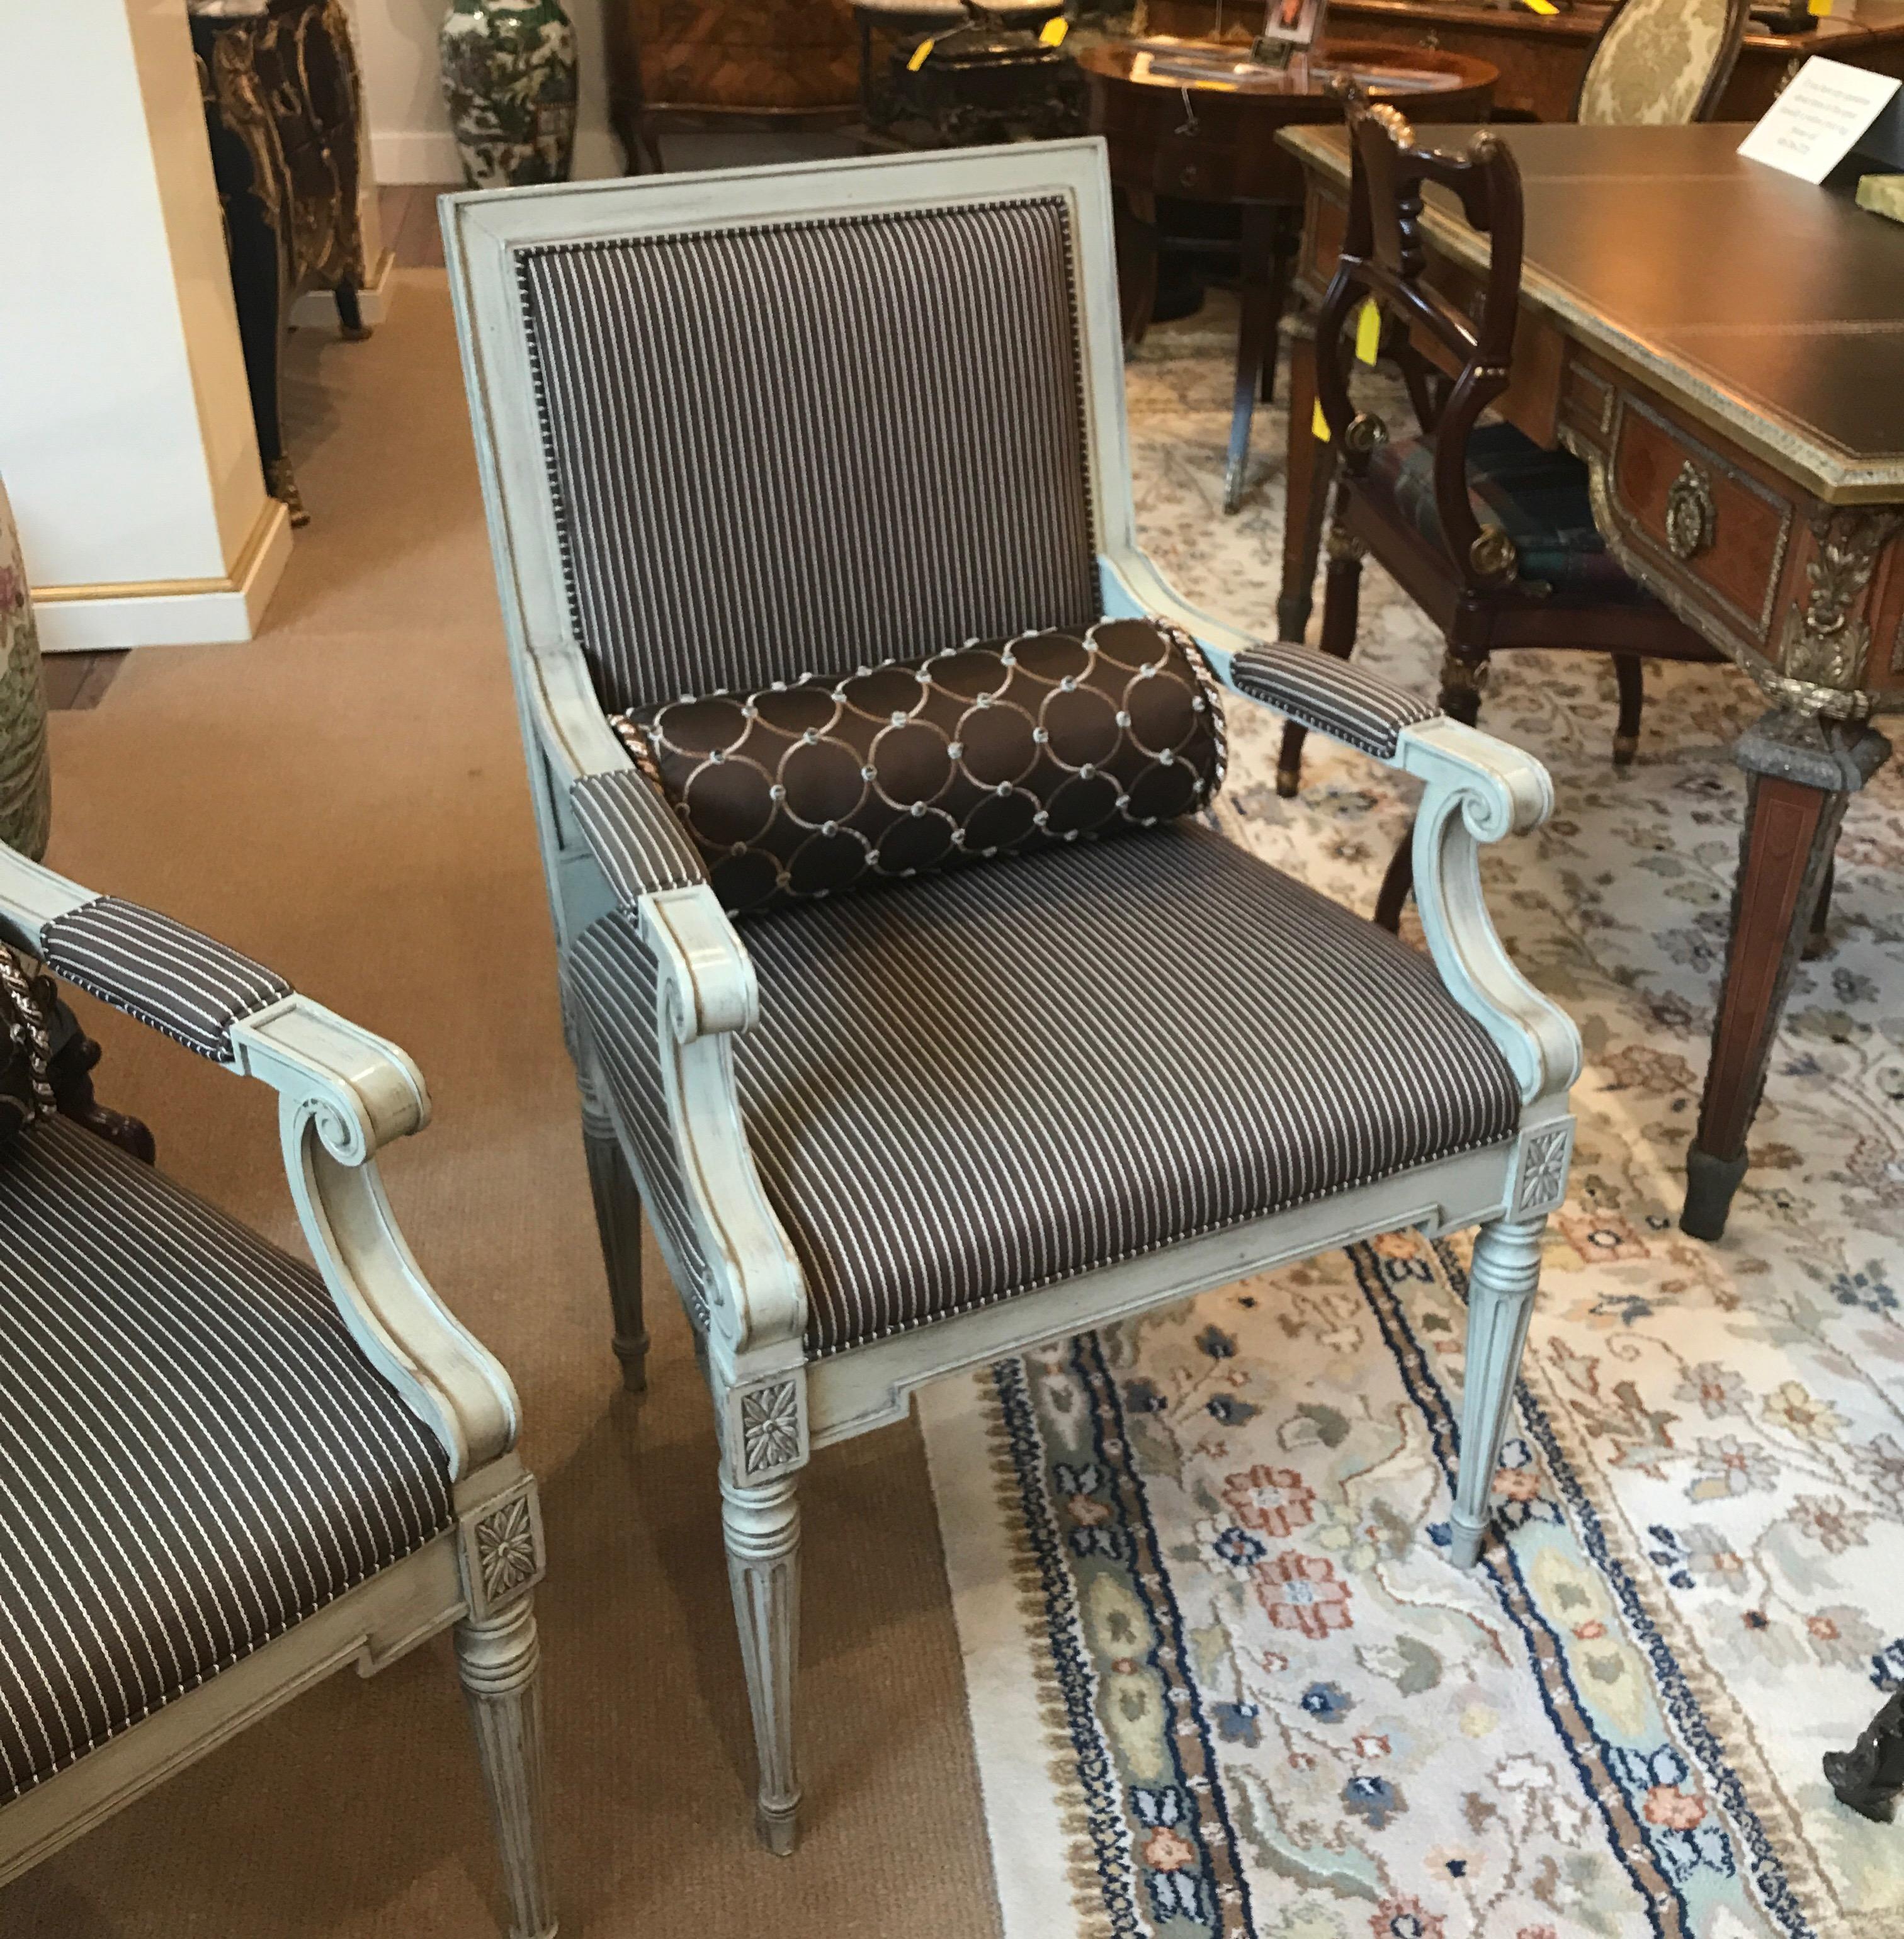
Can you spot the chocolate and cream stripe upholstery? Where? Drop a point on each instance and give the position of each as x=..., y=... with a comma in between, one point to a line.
x=615, y=981
x=784, y=451
x=987, y=1081
x=635, y=834
x=1336, y=697
x=194, y=1454
x=160, y=972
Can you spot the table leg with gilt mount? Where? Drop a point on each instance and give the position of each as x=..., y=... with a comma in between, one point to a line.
x=1803, y=762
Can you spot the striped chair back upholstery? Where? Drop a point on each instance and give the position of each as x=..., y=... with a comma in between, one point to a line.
x=795, y=449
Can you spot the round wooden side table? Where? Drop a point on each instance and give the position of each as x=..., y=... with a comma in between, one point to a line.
x=1197, y=121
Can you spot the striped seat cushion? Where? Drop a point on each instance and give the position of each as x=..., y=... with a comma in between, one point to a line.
x=194, y=1454
x=989, y=1080
x=780, y=451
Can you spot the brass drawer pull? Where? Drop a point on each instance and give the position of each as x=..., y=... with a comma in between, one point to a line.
x=1692, y=518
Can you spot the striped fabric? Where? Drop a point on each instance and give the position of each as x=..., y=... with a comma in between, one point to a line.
x=1335, y=697
x=617, y=988
x=160, y=972
x=194, y=1455
x=987, y=1081
x=635, y=834
x=781, y=452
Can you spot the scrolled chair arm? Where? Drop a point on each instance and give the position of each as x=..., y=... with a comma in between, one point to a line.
x=1477, y=790
x=343, y=1094
x=619, y=826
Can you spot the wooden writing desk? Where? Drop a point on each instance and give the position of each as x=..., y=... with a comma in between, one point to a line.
x=1541, y=57
x=1724, y=347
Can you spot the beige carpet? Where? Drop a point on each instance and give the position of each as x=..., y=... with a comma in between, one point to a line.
x=345, y=798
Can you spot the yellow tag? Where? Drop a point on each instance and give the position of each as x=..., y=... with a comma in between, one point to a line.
x=1368, y=331
x=919, y=54
x=1319, y=424
x=1540, y=6
x=1054, y=30
x=1821, y=7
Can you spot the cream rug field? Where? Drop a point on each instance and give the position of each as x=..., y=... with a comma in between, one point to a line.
x=1223, y=1680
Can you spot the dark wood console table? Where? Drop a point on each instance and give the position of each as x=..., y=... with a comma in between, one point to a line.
x=1213, y=140
x=1775, y=401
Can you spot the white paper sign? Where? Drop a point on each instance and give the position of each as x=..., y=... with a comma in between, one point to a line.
x=1815, y=123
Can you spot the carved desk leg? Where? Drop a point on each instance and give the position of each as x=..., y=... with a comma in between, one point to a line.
x=1869, y=1776
x=1309, y=472
x=1800, y=774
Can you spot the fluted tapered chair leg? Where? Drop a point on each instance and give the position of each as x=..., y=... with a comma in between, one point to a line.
x=1501, y=1285
x=618, y=1219
x=762, y=1524
x=500, y=1661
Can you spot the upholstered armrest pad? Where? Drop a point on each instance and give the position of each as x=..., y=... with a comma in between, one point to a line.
x=160, y=971
x=1337, y=699
x=635, y=834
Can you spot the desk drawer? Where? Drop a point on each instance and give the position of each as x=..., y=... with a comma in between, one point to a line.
x=1717, y=532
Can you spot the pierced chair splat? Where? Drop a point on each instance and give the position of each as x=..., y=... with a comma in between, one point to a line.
x=1491, y=535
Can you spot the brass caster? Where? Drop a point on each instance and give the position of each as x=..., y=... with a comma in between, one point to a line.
x=1625, y=746
x=1289, y=782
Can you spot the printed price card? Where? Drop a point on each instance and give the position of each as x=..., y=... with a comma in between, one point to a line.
x=1817, y=122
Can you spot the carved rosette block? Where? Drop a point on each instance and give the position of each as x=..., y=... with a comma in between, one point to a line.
x=1540, y=1179
x=502, y=1553
x=767, y=1427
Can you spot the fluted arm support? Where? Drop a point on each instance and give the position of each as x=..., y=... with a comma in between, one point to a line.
x=707, y=991
x=343, y=1094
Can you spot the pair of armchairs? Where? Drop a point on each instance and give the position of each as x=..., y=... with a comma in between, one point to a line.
x=224, y=1474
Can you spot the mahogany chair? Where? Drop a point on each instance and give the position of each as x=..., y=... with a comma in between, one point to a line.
x=1492, y=535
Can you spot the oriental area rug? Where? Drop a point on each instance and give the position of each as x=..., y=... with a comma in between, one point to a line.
x=1224, y=1680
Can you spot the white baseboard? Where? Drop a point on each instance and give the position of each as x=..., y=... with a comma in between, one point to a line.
x=177, y=612
x=429, y=155
x=317, y=309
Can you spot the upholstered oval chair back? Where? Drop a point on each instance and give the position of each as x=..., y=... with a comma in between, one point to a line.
x=797, y=448
x=1661, y=62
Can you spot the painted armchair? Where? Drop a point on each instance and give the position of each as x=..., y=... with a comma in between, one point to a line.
x=778, y=437
x=224, y=1475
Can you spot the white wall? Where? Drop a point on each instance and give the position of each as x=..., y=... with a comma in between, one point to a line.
x=126, y=434
x=410, y=140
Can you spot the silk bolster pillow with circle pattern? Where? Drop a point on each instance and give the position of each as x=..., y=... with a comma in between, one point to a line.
x=819, y=787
